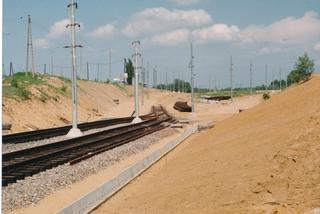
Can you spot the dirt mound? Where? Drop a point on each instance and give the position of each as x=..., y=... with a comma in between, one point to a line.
x=263, y=160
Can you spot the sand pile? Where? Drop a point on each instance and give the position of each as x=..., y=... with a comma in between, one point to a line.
x=263, y=160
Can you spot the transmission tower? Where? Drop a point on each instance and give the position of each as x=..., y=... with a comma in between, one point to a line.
x=30, y=55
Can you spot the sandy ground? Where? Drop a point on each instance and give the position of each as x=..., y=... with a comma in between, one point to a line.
x=95, y=101
x=263, y=160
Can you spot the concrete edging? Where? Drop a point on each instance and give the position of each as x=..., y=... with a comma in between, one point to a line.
x=93, y=199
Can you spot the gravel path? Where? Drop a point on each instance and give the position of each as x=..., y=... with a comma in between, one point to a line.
x=19, y=146
x=34, y=188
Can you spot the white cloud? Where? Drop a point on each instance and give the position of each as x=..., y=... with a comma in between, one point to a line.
x=274, y=37
x=58, y=29
x=172, y=38
x=269, y=50
x=185, y=2
x=41, y=43
x=289, y=30
x=316, y=47
x=153, y=20
x=217, y=33
x=105, y=31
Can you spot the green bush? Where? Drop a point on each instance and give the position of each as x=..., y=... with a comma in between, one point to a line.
x=302, y=71
x=14, y=83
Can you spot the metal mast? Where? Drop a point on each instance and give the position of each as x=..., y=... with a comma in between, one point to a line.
x=280, y=78
x=110, y=64
x=192, y=78
x=251, y=78
x=231, y=79
x=51, y=64
x=266, y=76
x=30, y=49
x=45, y=68
x=74, y=131
x=148, y=83
x=137, y=67
x=11, y=73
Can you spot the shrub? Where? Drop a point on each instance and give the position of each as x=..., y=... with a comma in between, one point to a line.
x=14, y=83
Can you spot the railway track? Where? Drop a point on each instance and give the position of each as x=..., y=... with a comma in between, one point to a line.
x=22, y=137
x=20, y=164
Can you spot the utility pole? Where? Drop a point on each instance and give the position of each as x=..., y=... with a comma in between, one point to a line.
x=154, y=77
x=266, y=76
x=192, y=78
x=272, y=79
x=231, y=79
x=280, y=78
x=137, y=67
x=3, y=70
x=11, y=73
x=250, y=78
x=45, y=68
x=87, y=70
x=148, y=86
x=110, y=64
x=74, y=131
x=51, y=64
x=98, y=73
x=167, y=80
x=30, y=50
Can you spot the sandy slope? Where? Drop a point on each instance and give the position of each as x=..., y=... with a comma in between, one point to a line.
x=264, y=160
x=95, y=101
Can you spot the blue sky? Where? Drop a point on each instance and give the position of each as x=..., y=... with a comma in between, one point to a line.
x=273, y=32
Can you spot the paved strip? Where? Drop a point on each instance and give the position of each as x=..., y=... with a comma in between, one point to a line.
x=110, y=187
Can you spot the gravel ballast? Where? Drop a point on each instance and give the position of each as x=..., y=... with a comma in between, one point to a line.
x=32, y=189
x=11, y=147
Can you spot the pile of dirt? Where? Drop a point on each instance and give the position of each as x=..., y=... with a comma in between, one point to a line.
x=263, y=160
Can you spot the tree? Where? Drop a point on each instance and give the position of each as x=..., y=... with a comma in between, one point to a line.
x=129, y=71
x=303, y=69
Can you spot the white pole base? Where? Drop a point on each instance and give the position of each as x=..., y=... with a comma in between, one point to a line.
x=136, y=120
x=74, y=132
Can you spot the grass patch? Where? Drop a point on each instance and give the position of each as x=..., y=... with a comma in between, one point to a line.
x=64, y=79
x=17, y=86
x=224, y=93
x=16, y=92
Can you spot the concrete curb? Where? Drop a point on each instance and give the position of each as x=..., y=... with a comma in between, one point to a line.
x=110, y=187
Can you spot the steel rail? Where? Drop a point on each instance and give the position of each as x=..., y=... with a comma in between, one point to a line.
x=58, y=131
x=20, y=164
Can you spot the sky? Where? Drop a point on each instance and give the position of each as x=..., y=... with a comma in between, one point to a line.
x=265, y=32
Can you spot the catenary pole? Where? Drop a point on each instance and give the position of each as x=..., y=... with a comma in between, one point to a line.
x=74, y=131
x=192, y=78
x=231, y=79
x=137, y=67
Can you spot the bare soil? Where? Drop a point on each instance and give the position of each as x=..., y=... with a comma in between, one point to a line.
x=263, y=160
x=97, y=101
